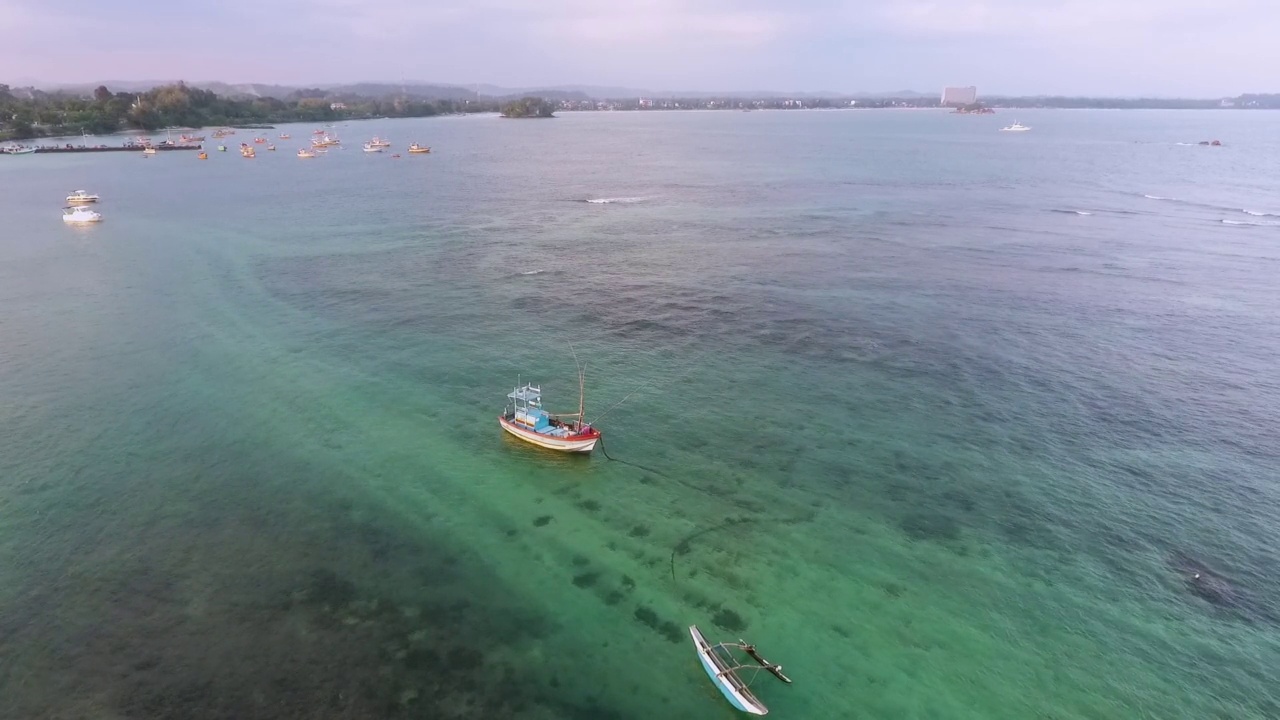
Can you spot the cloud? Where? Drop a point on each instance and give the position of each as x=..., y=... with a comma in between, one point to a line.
x=1055, y=19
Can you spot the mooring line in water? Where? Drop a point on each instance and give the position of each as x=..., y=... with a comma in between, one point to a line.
x=625, y=462
x=682, y=547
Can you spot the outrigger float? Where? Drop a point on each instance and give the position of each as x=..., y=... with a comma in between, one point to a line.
x=566, y=432
x=723, y=669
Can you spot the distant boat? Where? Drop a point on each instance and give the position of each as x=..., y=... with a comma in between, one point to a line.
x=1015, y=127
x=284, y=136
x=371, y=148
x=379, y=142
x=525, y=419
x=305, y=153
x=189, y=139
x=416, y=148
x=203, y=155
x=15, y=150
x=222, y=148
x=80, y=197
x=271, y=148
x=80, y=216
x=148, y=150
x=723, y=670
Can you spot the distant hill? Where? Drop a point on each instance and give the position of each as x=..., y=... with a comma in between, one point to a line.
x=431, y=91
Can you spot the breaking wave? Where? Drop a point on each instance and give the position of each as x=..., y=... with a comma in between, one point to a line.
x=608, y=201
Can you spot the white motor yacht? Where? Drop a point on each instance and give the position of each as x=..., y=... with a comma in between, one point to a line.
x=80, y=197
x=1015, y=127
x=80, y=216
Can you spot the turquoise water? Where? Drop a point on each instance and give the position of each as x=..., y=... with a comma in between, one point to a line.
x=944, y=420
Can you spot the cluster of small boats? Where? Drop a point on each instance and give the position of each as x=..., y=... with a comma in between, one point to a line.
x=77, y=211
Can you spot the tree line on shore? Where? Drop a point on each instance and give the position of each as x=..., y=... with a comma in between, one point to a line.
x=34, y=113
x=42, y=114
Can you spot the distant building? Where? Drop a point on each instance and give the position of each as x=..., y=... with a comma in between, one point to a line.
x=960, y=95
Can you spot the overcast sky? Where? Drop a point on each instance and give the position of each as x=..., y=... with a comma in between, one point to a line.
x=1095, y=47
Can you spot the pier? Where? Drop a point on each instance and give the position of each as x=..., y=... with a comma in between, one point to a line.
x=109, y=148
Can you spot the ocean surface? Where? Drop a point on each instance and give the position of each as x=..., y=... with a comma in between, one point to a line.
x=945, y=420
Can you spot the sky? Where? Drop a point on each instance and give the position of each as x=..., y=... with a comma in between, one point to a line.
x=1186, y=48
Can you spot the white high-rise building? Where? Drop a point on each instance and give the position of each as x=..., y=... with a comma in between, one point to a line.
x=959, y=95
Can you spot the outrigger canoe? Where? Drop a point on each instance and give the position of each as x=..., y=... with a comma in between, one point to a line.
x=723, y=670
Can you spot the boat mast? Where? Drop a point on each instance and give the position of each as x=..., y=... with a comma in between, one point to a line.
x=582, y=398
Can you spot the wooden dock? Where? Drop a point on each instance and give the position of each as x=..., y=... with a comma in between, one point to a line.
x=109, y=148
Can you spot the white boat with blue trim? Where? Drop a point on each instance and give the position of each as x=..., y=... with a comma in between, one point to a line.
x=524, y=418
x=723, y=670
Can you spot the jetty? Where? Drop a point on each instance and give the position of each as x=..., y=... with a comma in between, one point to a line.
x=110, y=148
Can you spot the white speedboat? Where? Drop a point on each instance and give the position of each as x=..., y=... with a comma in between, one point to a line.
x=80, y=197
x=80, y=216
x=370, y=147
x=1015, y=127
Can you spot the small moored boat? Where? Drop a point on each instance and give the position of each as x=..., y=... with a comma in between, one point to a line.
x=203, y=155
x=723, y=669
x=369, y=148
x=148, y=151
x=566, y=432
x=305, y=153
x=416, y=148
x=80, y=197
x=1015, y=127
x=80, y=215
x=379, y=142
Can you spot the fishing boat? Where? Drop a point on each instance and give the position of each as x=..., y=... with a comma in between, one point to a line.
x=80, y=197
x=148, y=151
x=305, y=153
x=379, y=142
x=1015, y=127
x=566, y=432
x=723, y=669
x=370, y=148
x=203, y=155
x=416, y=148
x=80, y=215
x=16, y=150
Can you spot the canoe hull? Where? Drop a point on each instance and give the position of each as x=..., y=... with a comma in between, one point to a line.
x=576, y=445
x=738, y=696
